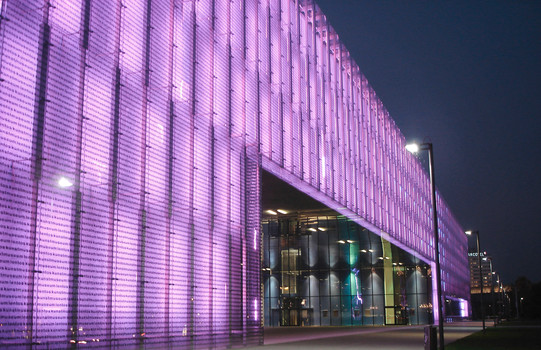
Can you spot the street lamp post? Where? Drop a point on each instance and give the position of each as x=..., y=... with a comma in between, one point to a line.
x=501, y=296
x=500, y=299
x=469, y=233
x=492, y=288
x=427, y=146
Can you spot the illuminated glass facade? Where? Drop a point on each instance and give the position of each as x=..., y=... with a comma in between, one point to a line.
x=320, y=268
x=133, y=135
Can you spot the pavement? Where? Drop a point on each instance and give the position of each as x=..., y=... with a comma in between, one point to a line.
x=359, y=338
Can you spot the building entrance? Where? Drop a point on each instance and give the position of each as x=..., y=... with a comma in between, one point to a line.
x=320, y=268
x=293, y=312
x=396, y=315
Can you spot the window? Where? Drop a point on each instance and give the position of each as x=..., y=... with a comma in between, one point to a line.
x=289, y=271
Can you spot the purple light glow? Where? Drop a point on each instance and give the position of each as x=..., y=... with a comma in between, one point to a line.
x=162, y=114
x=463, y=308
x=256, y=308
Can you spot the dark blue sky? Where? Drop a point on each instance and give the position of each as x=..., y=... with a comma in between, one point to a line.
x=467, y=76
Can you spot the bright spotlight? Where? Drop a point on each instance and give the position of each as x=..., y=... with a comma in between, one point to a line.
x=412, y=148
x=64, y=182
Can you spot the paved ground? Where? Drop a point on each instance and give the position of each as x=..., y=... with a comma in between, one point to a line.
x=359, y=338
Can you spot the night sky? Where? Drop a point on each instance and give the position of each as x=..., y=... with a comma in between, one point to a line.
x=465, y=75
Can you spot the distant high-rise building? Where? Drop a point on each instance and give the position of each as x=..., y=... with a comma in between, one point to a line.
x=475, y=282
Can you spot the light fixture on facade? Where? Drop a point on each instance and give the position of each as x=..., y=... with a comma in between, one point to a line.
x=64, y=182
x=312, y=229
x=282, y=211
x=341, y=241
x=271, y=212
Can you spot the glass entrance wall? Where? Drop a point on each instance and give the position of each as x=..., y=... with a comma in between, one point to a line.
x=320, y=268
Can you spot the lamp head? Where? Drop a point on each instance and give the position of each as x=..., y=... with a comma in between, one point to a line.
x=412, y=148
x=469, y=233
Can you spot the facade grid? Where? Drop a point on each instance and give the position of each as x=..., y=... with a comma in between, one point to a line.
x=133, y=135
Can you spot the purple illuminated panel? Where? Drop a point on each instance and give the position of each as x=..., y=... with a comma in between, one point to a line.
x=336, y=141
x=161, y=114
x=139, y=106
